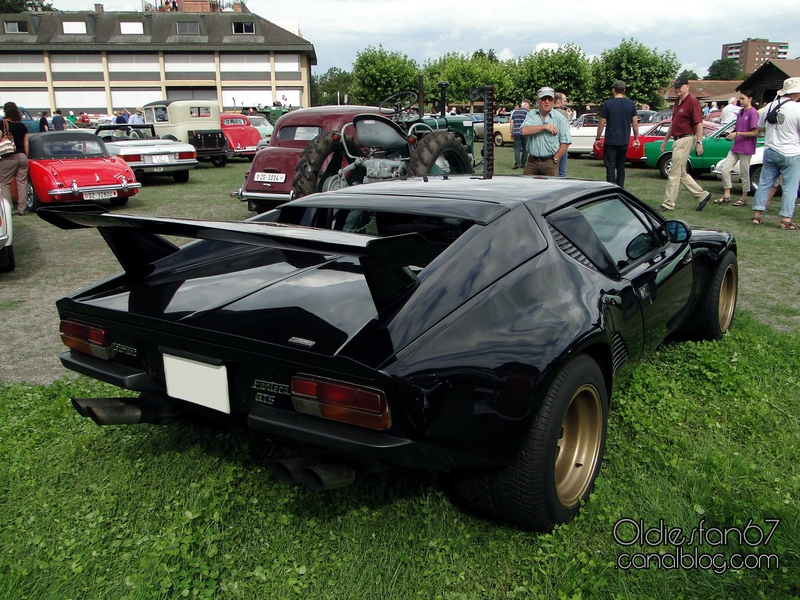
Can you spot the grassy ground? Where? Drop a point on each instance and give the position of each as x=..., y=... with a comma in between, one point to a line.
x=703, y=436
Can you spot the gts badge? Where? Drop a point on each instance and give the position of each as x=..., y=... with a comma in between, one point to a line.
x=267, y=390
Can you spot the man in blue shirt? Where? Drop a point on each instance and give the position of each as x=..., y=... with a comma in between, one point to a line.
x=59, y=123
x=548, y=137
x=517, y=118
x=617, y=116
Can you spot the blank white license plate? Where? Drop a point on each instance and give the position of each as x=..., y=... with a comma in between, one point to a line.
x=273, y=177
x=197, y=382
x=160, y=158
x=249, y=148
x=99, y=195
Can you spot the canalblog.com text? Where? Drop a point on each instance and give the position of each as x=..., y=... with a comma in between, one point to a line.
x=679, y=549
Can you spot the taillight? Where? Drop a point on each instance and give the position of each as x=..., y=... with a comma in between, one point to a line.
x=131, y=157
x=186, y=155
x=85, y=338
x=341, y=402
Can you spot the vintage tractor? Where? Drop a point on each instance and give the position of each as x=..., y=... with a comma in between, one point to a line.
x=396, y=142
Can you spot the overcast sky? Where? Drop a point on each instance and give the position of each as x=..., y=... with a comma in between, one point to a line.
x=340, y=28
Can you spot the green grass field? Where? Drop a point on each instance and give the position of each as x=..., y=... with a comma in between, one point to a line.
x=704, y=436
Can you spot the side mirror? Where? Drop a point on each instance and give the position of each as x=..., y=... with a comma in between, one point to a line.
x=677, y=231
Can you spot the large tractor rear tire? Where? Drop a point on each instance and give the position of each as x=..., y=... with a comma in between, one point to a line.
x=321, y=161
x=439, y=153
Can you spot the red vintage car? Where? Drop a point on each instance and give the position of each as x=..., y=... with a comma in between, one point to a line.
x=242, y=137
x=73, y=166
x=649, y=132
x=268, y=183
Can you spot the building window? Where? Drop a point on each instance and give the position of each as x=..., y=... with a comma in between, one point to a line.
x=131, y=28
x=244, y=27
x=74, y=27
x=188, y=28
x=16, y=27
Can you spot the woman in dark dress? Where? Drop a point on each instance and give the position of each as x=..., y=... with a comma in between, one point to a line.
x=15, y=165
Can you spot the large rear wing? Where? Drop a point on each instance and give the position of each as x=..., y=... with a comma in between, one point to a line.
x=137, y=243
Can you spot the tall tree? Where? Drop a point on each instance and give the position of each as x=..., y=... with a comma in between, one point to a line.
x=463, y=74
x=644, y=70
x=331, y=87
x=378, y=74
x=18, y=6
x=726, y=69
x=566, y=70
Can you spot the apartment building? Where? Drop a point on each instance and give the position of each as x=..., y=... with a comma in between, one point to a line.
x=754, y=52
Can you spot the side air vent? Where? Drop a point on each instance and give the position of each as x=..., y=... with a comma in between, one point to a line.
x=620, y=352
x=569, y=248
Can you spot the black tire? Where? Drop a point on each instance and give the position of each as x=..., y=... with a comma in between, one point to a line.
x=665, y=164
x=219, y=161
x=755, y=175
x=118, y=201
x=7, y=262
x=32, y=203
x=321, y=160
x=250, y=157
x=181, y=176
x=720, y=305
x=438, y=153
x=559, y=459
x=498, y=138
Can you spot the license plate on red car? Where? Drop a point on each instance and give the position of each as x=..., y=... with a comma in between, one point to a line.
x=100, y=195
x=272, y=177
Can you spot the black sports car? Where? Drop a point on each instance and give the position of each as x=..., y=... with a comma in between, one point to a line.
x=467, y=325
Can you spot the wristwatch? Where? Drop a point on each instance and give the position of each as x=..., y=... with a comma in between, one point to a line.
x=555, y=160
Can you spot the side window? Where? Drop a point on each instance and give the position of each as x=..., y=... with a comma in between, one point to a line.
x=622, y=233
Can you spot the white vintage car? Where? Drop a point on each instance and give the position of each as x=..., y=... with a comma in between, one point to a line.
x=583, y=132
x=6, y=236
x=755, y=170
x=146, y=153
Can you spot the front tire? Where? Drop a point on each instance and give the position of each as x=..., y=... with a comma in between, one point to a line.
x=720, y=304
x=665, y=164
x=558, y=461
x=439, y=153
x=321, y=161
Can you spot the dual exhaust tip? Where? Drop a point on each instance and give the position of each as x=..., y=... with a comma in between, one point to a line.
x=126, y=411
x=314, y=473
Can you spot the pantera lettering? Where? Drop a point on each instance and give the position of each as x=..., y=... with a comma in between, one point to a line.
x=270, y=387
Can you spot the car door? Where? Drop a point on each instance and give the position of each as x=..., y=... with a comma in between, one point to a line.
x=660, y=271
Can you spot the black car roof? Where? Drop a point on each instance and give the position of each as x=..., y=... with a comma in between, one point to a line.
x=36, y=141
x=461, y=196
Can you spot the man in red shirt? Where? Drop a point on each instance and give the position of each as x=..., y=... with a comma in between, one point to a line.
x=687, y=130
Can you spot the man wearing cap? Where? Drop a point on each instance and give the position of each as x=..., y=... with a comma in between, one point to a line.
x=687, y=130
x=136, y=117
x=781, y=120
x=617, y=117
x=548, y=136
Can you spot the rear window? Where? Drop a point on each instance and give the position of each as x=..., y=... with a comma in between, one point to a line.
x=73, y=149
x=235, y=122
x=299, y=133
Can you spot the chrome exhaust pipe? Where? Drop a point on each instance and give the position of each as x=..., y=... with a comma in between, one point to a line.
x=290, y=471
x=81, y=405
x=127, y=411
x=320, y=478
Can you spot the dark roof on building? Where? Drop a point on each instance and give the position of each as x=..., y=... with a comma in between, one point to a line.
x=706, y=90
x=159, y=32
x=781, y=67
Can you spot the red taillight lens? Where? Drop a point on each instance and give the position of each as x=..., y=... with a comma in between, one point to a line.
x=131, y=157
x=86, y=338
x=186, y=155
x=339, y=401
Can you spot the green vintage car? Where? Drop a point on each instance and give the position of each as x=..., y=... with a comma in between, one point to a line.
x=715, y=148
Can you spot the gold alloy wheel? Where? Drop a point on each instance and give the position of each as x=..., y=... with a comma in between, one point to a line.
x=579, y=445
x=727, y=298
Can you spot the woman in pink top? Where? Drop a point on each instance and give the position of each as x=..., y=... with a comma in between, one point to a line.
x=744, y=137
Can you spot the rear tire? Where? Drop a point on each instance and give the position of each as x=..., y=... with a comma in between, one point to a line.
x=755, y=175
x=32, y=203
x=219, y=161
x=181, y=176
x=558, y=461
x=439, y=153
x=119, y=201
x=664, y=165
x=321, y=160
x=720, y=304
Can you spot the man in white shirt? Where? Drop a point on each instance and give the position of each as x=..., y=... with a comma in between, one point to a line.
x=781, y=120
x=730, y=111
